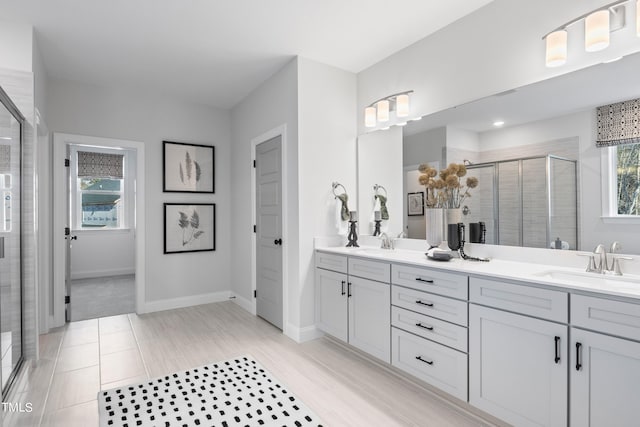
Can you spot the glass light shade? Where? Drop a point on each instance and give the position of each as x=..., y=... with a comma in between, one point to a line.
x=638, y=18
x=402, y=105
x=556, y=49
x=383, y=110
x=370, y=117
x=596, y=31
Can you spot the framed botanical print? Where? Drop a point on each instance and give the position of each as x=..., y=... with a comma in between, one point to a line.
x=415, y=204
x=188, y=168
x=189, y=227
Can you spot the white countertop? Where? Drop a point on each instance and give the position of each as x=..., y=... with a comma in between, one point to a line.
x=562, y=278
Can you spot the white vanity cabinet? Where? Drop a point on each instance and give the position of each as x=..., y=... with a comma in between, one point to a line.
x=518, y=364
x=604, y=370
x=353, y=302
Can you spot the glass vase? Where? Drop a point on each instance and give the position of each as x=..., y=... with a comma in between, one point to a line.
x=434, y=218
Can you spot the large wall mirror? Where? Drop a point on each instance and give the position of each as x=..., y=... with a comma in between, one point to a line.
x=539, y=171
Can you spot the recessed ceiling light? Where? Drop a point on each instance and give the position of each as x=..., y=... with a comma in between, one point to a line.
x=498, y=123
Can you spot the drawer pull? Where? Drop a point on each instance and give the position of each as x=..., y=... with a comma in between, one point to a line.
x=557, y=342
x=578, y=356
x=420, y=279
x=343, y=283
x=428, y=362
x=349, y=290
x=428, y=328
x=428, y=304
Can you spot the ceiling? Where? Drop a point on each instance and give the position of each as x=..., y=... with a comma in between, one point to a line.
x=570, y=93
x=216, y=52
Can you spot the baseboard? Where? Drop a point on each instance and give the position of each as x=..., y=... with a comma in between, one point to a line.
x=75, y=275
x=189, y=301
x=301, y=335
x=243, y=303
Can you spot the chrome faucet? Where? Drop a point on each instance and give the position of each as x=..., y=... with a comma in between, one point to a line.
x=601, y=264
x=386, y=242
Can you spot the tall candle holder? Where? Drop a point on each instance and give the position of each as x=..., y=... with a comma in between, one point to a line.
x=377, y=219
x=353, y=235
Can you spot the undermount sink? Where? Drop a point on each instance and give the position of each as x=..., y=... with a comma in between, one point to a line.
x=594, y=279
x=374, y=251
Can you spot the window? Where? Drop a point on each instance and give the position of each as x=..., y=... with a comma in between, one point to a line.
x=627, y=169
x=100, y=188
x=102, y=202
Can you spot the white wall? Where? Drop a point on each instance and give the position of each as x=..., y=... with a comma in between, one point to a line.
x=102, y=253
x=16, y=46
x=497, y=48
x=273, y=104
x=151, y=118
x=326, y=153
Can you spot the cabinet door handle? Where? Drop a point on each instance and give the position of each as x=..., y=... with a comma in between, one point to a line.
x=349, y=290
x=428, y=304
x=420, y=279
x=343, y=283
x=578, y=356
x=428, y=328
x=557, y=343
x=428, y=362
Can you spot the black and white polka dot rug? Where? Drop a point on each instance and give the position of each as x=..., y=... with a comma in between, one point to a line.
x=237, y=392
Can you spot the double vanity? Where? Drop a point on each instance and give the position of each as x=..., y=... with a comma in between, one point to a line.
x=531, y=344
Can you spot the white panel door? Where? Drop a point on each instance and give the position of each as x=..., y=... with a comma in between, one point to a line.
x=518, y=367
x=269, y=231
x=370, y=317
x=331, y=303
x=605, y=380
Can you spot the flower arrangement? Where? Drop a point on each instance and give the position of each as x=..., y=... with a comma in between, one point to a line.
x=445, y=189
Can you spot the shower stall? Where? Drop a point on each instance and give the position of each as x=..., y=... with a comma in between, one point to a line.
x=530, y=201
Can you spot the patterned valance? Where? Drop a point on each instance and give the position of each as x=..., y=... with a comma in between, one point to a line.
x=5, y=158
x=619, y=123
x=100, y=165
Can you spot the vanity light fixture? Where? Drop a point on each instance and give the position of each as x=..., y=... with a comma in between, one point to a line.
x=598, y=26
x=597, y=31
x=370, y=117
x=638, y=18
x=380, y=110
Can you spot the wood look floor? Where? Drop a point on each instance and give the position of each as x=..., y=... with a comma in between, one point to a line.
x=342, y=387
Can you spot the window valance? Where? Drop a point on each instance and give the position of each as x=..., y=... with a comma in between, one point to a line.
x=100, y=165
x=619, y=123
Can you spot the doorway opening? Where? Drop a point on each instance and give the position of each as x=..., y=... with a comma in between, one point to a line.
x=98, y=190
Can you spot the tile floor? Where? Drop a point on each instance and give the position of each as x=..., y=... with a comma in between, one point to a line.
x=342, y=387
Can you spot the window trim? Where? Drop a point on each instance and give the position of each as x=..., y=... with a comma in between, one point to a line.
x=608, y=168
x=127, y=190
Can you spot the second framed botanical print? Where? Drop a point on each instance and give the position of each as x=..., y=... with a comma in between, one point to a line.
x=189, y=227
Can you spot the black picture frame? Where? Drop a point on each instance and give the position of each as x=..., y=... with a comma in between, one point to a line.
x=189, y=227
x=415, y=203
x=188, y=168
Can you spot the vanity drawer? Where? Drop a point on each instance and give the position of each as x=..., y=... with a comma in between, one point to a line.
x=431, y=328
x=331, y=262
x=447, y=284
x=437, y=306
x=530, y=301
x=373, y=270
x=608, y=316
x=430, y=362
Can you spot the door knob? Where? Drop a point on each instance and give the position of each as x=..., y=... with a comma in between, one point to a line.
x=277, y=242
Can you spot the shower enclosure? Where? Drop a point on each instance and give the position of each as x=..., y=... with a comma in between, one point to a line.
x=11, y=123
x=526, y=202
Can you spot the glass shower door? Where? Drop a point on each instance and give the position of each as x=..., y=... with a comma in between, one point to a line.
x=10, y=253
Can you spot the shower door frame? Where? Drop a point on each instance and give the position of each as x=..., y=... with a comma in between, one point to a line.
x=13, y=110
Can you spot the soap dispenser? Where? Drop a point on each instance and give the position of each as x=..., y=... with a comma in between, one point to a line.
x=558, y=243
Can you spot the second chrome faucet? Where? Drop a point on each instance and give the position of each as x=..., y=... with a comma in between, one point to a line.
x=599, y=261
